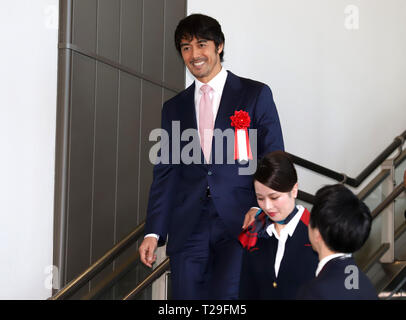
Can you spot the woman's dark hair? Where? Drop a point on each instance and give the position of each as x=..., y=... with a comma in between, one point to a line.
x=201, y=27
x=343, y=220
x=276, y=171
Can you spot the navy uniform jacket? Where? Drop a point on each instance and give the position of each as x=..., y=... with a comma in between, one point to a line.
x=340, y=279
x=298, y=266
x=178, y=190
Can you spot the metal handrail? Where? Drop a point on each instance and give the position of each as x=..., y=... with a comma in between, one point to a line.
x=113, y=278
x=124, y=268
x=86, y=276
x=396, y=289
x=77, y=283
x=72, y=287
x=99, y=265
x=399, y=231
x=164, y=266
x=161, y=269
x=304, y=196
x=343, y=178
x=388, y=200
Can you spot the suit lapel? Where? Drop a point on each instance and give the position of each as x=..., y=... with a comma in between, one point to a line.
x=230, y=101
x=188, y=119
x=189, y=110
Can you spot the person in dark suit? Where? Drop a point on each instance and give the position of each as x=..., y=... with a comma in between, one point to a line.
x=200, y=205
x=278, y=258
x=340, y=224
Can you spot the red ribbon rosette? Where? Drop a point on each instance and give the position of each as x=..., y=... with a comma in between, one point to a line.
x=241, y=121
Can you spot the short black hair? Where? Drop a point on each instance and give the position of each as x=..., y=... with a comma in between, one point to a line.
x=343, y=220
x=199, y=26
x=276, y=171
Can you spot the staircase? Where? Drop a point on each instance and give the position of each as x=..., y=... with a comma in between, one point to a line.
x=382, y=258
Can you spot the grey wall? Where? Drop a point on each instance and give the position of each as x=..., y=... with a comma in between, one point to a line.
x=117, y=65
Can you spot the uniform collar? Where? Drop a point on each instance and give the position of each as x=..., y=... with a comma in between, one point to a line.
x=289, y=227
x=324, y=261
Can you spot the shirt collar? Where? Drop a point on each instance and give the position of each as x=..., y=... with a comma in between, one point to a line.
x=324, y=261
x=217, y=83
x=290, y=226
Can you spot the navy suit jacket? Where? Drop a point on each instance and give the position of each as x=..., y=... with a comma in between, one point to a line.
x=298, y=266
x=337, y=282
x=178, y=189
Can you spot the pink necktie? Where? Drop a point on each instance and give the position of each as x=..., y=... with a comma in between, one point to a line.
x=206, y=123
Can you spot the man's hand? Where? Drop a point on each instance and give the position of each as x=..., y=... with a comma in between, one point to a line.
x=249, y=217
x=147, y=251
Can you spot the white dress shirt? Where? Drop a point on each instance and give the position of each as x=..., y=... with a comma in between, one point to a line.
x=288, y=230
x=217, y=84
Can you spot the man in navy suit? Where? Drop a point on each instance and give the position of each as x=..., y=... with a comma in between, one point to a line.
x=340, y=224
x=200, y=205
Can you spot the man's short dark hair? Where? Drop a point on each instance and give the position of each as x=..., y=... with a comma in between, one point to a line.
x=343, y=220
x=199, y=26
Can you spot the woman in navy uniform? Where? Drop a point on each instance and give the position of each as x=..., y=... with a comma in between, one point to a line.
x=278, y=258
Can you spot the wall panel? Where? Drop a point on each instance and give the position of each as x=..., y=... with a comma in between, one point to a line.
x=124, y=66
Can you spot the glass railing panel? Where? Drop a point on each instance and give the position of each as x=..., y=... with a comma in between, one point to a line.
x=372, y=201
x=375, y=197
x=400, y=211
x=374, y=241
x=399, y=171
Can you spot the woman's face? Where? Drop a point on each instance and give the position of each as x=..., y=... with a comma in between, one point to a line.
x=277, y=205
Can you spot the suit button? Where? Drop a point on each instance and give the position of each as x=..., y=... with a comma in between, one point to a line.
x=209, y=173
x=275, y=285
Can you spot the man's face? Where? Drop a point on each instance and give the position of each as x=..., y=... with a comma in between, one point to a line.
x=201, y=58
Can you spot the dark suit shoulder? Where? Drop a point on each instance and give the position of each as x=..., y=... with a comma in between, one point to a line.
x=247, y=84
x=181, y=97
x=340, y=279
x=253, y=83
